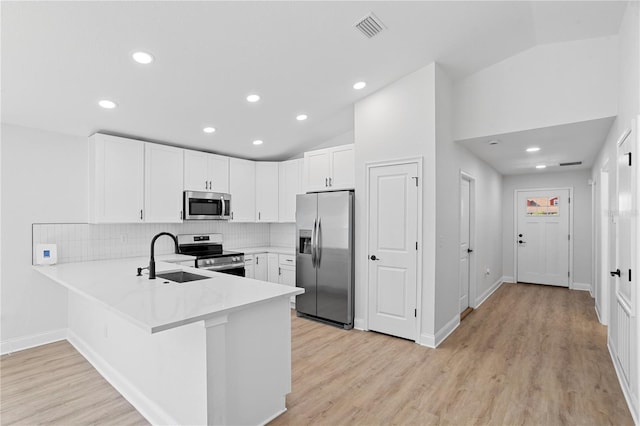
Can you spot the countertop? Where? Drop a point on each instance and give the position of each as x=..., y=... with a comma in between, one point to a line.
x=266, y=249
x=154, y=305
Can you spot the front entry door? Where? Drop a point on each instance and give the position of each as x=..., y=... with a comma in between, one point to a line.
x=392, y=255
x=543, y=237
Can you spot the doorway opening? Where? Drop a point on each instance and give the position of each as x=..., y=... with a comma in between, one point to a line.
x=466, y=247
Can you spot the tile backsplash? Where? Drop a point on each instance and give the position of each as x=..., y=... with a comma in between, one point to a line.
x=81, y=242
x=282, y=235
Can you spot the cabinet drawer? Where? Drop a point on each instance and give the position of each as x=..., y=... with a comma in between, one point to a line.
x=287, y=260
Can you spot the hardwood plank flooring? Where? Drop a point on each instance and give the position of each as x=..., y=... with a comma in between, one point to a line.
x=529, y=355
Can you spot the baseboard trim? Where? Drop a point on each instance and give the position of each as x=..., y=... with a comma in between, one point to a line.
x=581, y=287
x=447, y=329
x=484, y=296
x=359, y=324
x=506, y=279
x=625, y=390
x=595, y=306
x=428, y=340
x=149, y=409
x=26, y=342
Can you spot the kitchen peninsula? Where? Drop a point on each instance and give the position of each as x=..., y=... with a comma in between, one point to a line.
x=211, y=351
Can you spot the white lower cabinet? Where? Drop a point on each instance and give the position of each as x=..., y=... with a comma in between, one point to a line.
x=287, y=272
x=272, y=259
x=260, y=266
x=249, y=267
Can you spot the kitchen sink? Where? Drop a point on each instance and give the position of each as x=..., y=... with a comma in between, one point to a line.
x=181, y=276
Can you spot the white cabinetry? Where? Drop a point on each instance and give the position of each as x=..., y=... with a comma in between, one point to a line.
x=116, y=179
x=287, y=272
x=249, y=267
x=272, y=260
x=266, y=190
x=163, y=183
x=290, y=183
x=205, y=172
x=329, y=169
x=242, y=181
x=261, y=266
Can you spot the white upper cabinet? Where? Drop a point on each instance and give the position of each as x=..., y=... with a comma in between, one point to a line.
x=205, y=172
x=163, y=183
x=290, y=183
x=329, y=169
x=266, y=185
x=116, y=179
x=242, y=186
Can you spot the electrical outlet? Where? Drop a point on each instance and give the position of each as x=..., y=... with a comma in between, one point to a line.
x=487, y=271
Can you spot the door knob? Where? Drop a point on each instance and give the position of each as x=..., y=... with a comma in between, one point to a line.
x=469, y=250
x=373, y=257
x=614, y=273
x=521, y=242
x=520, y=235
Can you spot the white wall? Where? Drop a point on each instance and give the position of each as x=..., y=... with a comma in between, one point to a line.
x=581, y=215
x=44, y=179
x=544, y=86
x=453, y=158
x=398, y=122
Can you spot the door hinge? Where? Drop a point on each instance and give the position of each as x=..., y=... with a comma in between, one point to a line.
x=415, y=313
x=569, y=200
x=629, y=275
x=568, y=274
x=416, y=178
x=569, y=237
x=629, y=154
x=416, y=245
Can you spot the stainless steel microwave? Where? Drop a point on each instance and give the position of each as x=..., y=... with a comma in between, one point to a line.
x=200, y=205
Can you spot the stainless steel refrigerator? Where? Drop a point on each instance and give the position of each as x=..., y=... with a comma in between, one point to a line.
x=324, y=257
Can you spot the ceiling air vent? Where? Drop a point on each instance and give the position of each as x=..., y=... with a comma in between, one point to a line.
x=370, y=25
x=575, y=163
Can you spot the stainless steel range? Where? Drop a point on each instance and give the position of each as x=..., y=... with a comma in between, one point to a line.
x=209, y=253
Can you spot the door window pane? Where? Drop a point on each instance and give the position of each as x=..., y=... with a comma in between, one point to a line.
x=543, y=206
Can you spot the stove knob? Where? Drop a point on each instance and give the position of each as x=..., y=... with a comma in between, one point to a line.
x=209, y=261
x=234, y=259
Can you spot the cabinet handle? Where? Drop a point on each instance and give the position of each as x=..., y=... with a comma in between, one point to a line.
x=279, y=270
x=210, y=185
x=258, y=215
x=140, y=214
x=231, y=215
x=330, y=182
x=326, y=182
x=206, y=185
x=180, y=214
x=257, y=260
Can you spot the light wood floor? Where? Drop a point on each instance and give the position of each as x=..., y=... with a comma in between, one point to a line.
x=529, y=355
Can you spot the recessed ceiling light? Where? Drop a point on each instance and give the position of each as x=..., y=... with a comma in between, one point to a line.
x=301, y=117
x=360, y=85
x=107, y=104
x=541, y=166
x=533, y=149
x=253, y=98
x=209, y=129
x=257, y=142
x=142, y=57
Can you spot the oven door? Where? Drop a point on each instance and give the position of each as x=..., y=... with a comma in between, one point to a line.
x=236, y=269
x=206, y=205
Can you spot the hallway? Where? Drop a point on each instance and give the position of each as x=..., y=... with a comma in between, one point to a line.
x=530, y=354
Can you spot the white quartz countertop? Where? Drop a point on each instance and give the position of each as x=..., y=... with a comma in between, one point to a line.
x=154, y=305
x=172, y=258
x=266, y=249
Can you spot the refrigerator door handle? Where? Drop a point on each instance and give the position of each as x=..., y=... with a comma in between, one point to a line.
x=318, y=244
x=313, y=243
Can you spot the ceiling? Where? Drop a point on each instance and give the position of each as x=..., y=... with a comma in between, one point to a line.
x=60, y=58
x=565, y=143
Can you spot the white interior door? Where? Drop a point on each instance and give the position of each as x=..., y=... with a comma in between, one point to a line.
x=465, y=237
x=543, y=236
x=625, y=324
x=393, y=232
x=602, y=283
